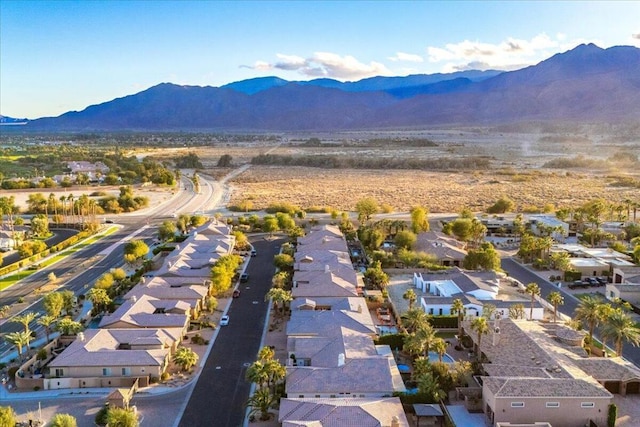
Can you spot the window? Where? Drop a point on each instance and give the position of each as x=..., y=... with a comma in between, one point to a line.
x=106, y=372
x=517, y=404
x=126, y=371
x=587, y=405
x=59, y=372
x=553, y=404
x=440, y=311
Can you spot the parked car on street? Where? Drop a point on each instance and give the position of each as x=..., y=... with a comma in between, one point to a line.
x=224, y=320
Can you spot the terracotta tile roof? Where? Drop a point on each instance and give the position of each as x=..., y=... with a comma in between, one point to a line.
x=544, y=387
x=356, y=412
x=141, y=312
x=609, y=369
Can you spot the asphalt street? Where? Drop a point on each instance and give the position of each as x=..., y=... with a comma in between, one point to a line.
x=219, y=396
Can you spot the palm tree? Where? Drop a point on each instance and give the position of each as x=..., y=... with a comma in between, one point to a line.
x=258, y=373
x=439, y=346
x=425, y=335
x=47, y=321
x=589, y=312
x=481, y=327
x=414, y=319
x=555, y=298
x=410, y=296
x=488, y=310
x=20, y=339
x=277, y=372
x=458, y=308
x=25, y=319
x=99, y=298
x=279, y=297
x=534, y=290
x=620, y=327
x=260, y=402
x=186, y=358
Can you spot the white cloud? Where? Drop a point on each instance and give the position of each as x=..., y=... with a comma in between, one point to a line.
x=408, y=57
x=636, y=36
x=510, y=54
x=324, y=64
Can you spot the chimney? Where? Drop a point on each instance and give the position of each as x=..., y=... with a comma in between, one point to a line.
x=359, y=308
x=496, y=336
x=395, y=422
x=341, y=359
x=134, y=299
x=326, y=268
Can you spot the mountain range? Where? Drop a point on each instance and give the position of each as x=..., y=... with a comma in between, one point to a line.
x=585, y=84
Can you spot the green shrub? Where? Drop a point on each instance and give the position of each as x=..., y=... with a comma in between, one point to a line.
x=101, y=416
x=395, y=341
x=612, y=415
x=445, y=321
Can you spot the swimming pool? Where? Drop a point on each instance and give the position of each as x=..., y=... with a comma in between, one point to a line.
x=433, y=357
x=386, y=330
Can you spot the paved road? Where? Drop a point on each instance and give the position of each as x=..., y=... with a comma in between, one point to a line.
x=525, y=276
x=220, y=394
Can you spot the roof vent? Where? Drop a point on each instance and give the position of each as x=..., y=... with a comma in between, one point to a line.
x=81, y=336
x=341, y=359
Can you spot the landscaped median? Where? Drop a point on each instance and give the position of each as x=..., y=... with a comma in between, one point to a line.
x=25, y=267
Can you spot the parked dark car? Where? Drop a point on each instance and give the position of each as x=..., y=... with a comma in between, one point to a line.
x=236, y=293
x=244, y=277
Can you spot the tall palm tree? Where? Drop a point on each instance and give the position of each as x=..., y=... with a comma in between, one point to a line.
x=414, y=319
x=279, y=297
x=410, y=295
x=277, y=372
x=47, y=321
x=481, y=327
x=425, y=335
x=25, y=319
x=20, y=339
x=458, y=308
x=589, y=312
x=439, y=346
x=534, y=290
x=186, y=358
x=620, y=327
x=555, y=298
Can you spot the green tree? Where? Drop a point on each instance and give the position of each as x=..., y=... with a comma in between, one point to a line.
x=24, y=319
x=481, y=326
x=104, y=282
x=63, y=420
x=68, y=326
x=185, y=358
x=225, y=161
x=419, y=219
x=47, y=321
x=534, y=290
x=366, y=208
x=117, y=417
x=285, y=221
x=428, y=386
x=414, y=319
x=167, y=231
x=410, y=295
x=280, y=279
x=485, y=258
x=439, y=346
x=8, y=417
x=283, y=261
x=20, y=339
x=269, y=224
x=376, y=276
x=555, y=298
x=457, y=307
x=40, y=225
x=53, y=304
x=99, y=298
x=405, y=239
x=502, y=205
x=279, y=297
x=620, y=327
x=260, y=403
x=589, y=313
x=135, y=251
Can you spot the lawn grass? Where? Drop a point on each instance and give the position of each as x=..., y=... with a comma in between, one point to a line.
x=12, y=279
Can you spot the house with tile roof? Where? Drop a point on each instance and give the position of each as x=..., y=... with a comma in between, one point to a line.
x=149, y=312
x=474, y=288
x=113, y=358
x=357, y=412
x=446, y=250
x=540, y=372
x=329, y=282
x=192, y=292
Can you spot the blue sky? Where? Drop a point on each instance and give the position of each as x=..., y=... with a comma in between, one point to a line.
x=59, y=56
